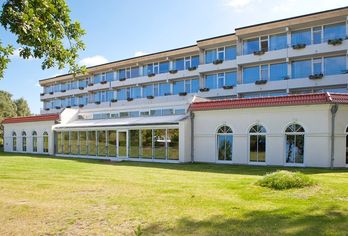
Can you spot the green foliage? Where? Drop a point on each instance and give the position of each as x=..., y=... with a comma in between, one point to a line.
x=138, y=231
x=11, y=108
x=283, y=179
x=44, y=30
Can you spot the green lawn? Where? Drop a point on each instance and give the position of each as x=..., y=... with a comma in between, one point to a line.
x=50, y=196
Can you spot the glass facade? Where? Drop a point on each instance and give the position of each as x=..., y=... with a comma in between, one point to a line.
x=134, y=143
x=301, y=37
x=251, y=74
x=160, y=141
x=278, y=41
x=257, y=144
x=335, y=31
x=250, y=46
x=335, y=65
x=301, y=69
x=278, y=71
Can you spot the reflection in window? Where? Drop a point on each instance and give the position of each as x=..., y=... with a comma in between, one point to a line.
x=101, y=143
x=112, y=143
x=294, y=144
x=250, y=46
x=278, y=71
x=66, y=146
x=335, y=31
x=74, y=145
x=24, y=141
x=45, y=142
x=159, y=143
x=334, y=65
x=146, y=143
x=14, y=141
x=59, y=143
x=133, y=140
x=224, y=143
x=34, y=141
x=257, y=144
x=83, y=142
x=301, y=37
x=92, y=151
x=278, y=41
x=301, y=69
x=251, y=74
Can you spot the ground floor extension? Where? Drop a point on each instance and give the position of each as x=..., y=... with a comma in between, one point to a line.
x=302, y=130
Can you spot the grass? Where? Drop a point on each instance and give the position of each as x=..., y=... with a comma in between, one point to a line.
x=284, y=179
x=51, y=196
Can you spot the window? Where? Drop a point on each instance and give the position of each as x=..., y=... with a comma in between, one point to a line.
x=173, y=144
x=66, y=144
x=211, y=81
x=24, y=141
x=152, y=68
x=74, y=143
x=160, y=140
x=294, y=134
x=347, y=145
x=92, y=143
x=97, y=78
x=317, y=66
x=133, y=142
x=134, y=72
x=179, y=64
x=334, y=65
x=148, y=90
x=224, y=143
x=301, y=37
x=230, y=53
x=14, y=141
x=164, y=89
x=45, y=142
x=317, y=35
x=59, y=143
x=257, y=144
x=34, y=141
x=178, y=87
x=221, y=53
x=122, y=94
x=334, y=31
x=264, y=72
x=109, y=76
x=301, y=69
x=278, y=41
x=278, y=71
x=210, y=56
x=112, y=151
x=101, y=134
x=122, y=74
x=250, y=46
x=164, y=67
x=83, y=142
x=146, y=144
x=251, y=74
x=264, y=43
x=134, y=92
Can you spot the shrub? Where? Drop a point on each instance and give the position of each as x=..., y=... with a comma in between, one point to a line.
x=282, y=179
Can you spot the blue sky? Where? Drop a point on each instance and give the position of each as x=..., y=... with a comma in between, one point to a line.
x=121, y=29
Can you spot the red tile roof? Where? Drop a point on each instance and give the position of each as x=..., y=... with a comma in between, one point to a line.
x=290, y=100
x=22, y=119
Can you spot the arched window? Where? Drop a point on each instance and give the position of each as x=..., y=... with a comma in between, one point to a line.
x=24, y=141
x=347, y=146
x=14, y=141
x=45, y=142
x=34, y=141
x=224, y=143
x=257, y=144
x=294, y=134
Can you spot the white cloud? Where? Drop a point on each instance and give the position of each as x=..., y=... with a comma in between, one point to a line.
x=94, y=60
x=139, y=53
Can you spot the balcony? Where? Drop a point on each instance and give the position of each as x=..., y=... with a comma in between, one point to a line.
x=266, y=56
x=224, y=65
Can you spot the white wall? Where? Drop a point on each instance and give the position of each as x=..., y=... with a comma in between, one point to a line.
x=314, y=118
x=29, y=127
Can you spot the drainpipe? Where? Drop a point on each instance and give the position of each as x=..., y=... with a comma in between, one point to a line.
x=333, y=110
x=192, y=116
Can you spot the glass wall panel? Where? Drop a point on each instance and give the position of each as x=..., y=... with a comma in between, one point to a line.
x=173, y=144
x=294, y=148
x=83, y=142
x=211, y=81
x=133, y=143
x=45, y=142
x=230, y=53
x=278, y=71
x=112, y=143
x=59, y=143
x=34, y=142
x=122, y=94
x=301, y=37
x=101, y=143
x=194, y=85
x=74, y=143
x=178, y=87
x=224, y=147
x=164, y=67
x=14, y=142
x=253, y=148
x=160, y=143
x=230, y=78
x=146, y=143
x=278, y=41
x=251, y=74
x=179, y=64
x=66, y=146
x=335, y=31
x=334, y=65
x=122, y=144
x=164, y=89
x=301, y=69
x=92, y=149
x=210, y=56
x=135, y=72
x=148, y=90
x=250, y=46
x=194, y=61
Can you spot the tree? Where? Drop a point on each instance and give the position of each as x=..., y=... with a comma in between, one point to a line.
x=11, y=108
x=22, y=108
x=44, y=30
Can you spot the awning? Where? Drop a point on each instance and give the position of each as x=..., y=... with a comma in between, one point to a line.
x=122, y=122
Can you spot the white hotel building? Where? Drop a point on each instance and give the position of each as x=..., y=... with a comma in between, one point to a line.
x=269, y=94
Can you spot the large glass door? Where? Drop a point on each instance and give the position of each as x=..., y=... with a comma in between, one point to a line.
x=122, y=144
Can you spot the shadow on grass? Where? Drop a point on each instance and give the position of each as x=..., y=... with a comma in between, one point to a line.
x=331, y=221
x=197, y=167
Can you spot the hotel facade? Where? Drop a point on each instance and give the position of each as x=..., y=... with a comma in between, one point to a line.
x=275, y=93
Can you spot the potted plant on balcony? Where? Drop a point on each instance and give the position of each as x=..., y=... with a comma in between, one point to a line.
x=51, y=93
x=97, y=102
x=90, y=84
x=63, y=91
x=42, y=94
x=151, y=74
x=81, y=105
x=191, y=68
x=204, y=89
x=299, y=46
x=259, y=53
x=227, y=87
x=150, y=97
x=286, y=77
x=316, y=76
x=335, y=42
x=167, y=94
x=182, y=93
x=47, y=109
x=113, y=100
x=129, y=99
x=57, y=107
x=260, y=81
x=173, y=71
x=218, y=61
x=81, y=88
x=122, y=79
x=103, y=82
x=344, y=71
x=68, y=106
